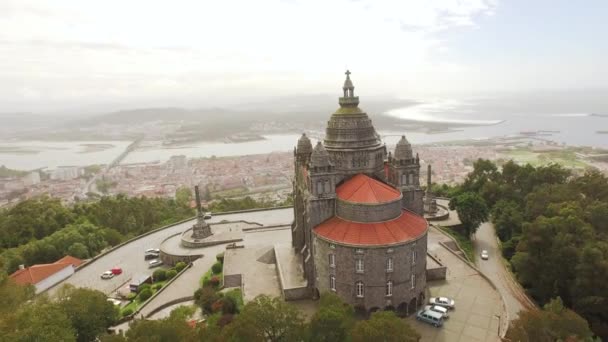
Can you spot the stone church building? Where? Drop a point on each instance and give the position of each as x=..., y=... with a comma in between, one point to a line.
x=358, y=214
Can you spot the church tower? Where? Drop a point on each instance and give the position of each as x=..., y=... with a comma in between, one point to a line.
x=351, y=140
x=404, y=173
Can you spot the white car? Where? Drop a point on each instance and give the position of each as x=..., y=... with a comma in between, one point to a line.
x=107, y=275
x=153, y=250
x=439, y=309
x=155, y=263
x=207, y=216
x=484, y=255
x=446, y=302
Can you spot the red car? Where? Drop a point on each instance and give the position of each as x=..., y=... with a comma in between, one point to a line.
x=116, y=270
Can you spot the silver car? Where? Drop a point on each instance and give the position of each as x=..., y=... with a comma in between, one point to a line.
x=155, y=263
x=446, y=302
x=438, y=309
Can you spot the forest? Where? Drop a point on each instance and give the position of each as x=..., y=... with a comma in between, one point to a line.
x=553, y=226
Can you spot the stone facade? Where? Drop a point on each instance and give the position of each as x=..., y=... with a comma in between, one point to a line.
x=352, y=146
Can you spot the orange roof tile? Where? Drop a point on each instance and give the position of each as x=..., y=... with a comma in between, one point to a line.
x=68, y=259
x=37, y=273
x=406, y=227
x=364, y=189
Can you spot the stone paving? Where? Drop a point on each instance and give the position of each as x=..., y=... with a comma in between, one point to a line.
x=478, y=304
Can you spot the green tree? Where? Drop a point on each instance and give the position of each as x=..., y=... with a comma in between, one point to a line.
x=508, y=219
x=89, y=311
x=164, y=330
x=472, y=210
x=553, y=323
x=266, y=319
x=159, y=275
x=333, y=321
x=384, y=326
x=41, y=320
x=78, y=250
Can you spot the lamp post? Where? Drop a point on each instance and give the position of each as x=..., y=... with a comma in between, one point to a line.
x=498, y=332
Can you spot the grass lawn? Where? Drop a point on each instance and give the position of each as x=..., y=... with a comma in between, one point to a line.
x=465, y=243
x=565, y=158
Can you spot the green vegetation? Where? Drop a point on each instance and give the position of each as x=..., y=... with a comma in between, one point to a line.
x=553, y=323
x=42, y=230
x=74, y=315
x=554, y=230
x=6, y=172
x=245, y=203
x=566, y=158
x=463, y=240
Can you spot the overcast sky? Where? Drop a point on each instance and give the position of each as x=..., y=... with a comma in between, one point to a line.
x=61, y=54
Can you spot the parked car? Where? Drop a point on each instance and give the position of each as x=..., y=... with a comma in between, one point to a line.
x=114, y=301
x=116, y=270
x=446, y=302
x=150, y=255
x=207, y=215
x=430, y=317
x=155, y=263
x=484, y=255
x=153, y=250
x=439, y=309
x=107, y=275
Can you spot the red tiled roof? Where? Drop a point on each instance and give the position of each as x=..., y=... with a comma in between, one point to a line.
x=37, y=273
x=364, y=189
x=68, y=259
x=406, y=227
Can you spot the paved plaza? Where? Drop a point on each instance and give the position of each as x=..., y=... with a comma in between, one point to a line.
x=478, y=304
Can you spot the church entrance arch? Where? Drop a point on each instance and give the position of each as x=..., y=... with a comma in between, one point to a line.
x=412, y=306
x=402, y=309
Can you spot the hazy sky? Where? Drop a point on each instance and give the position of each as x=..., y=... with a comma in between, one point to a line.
x=60, y=54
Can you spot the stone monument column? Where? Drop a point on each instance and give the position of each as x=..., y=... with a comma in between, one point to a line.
x=201, y=229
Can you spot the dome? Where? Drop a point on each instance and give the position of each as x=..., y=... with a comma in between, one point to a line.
x=320, y=157
x=304, y=145
x=403, y=151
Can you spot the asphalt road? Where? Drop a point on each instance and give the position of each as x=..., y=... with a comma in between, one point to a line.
x=130, y=257
x=495, y=269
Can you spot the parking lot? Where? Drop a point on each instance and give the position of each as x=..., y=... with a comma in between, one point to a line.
x=479, y=308
x=130, y=257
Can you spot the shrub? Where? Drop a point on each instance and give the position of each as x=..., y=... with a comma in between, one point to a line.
x=228, y=305
x=214, y=281
x=127, y=312
x=180, y=266
x=217, y=268
x=220, y=257
x=159, y=275
x=197, y=294
x=206, y=297
x=145, y=294
x=131, y=296
x=143, y=287
x=225, y=320
x=217, y=306
x=157, y=287
x=171, y=274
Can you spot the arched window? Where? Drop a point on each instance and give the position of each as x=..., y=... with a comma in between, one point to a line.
x=411, y=179
x=403, y=179
x=359, y=265
x=414, y=255
x=389, y=265
x=389, y=288
x=332, y=260
x=327, y=190
x=332, y=282
x=413, y=280
x=319, y=187
x=359, y=289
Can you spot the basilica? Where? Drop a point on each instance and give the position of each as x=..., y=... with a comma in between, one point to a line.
x=358, y=227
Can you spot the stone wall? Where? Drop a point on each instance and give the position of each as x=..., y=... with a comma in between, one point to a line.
x=375, y=274
x=359, y=212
